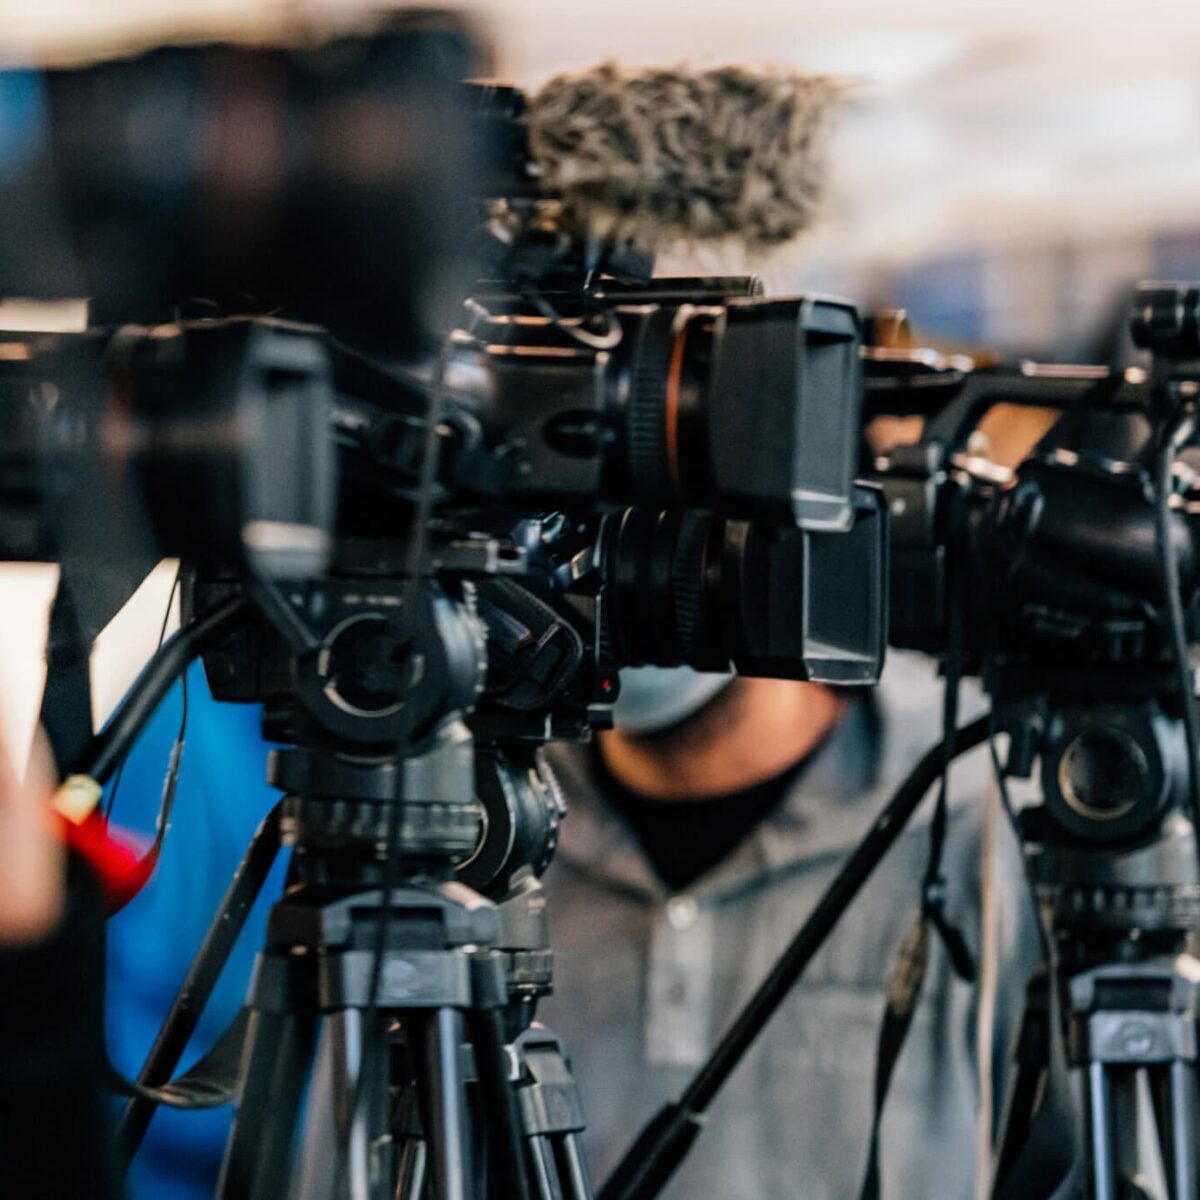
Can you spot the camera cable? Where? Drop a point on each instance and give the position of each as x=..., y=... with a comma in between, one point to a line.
x=666, y=1139
x=1173, y=437
x=910, y=966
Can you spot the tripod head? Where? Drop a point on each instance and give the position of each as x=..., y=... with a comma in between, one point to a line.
x=1046, y=581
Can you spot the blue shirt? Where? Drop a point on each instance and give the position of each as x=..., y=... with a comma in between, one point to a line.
x=221, y=798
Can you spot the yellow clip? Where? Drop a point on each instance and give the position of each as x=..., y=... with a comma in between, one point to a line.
x=77, y=797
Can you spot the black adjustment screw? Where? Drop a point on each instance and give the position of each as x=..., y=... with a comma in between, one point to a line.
x=1166, y=318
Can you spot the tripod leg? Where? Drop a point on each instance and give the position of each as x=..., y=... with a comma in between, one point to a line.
x=411, y=1157
x=411, y=1173
x=1174, y=1093
x=336, y=1147
x=576, y=1168
x=559, y=1170
x=545, y=1169
x=1025, y=1088
x=498, y=1101
x=437, y=1037
x=1184, y=1130
x=1032, y=1053
x=201, y=978
x=275, y=1068
x=1104, y=1183
x=1139, y=1148
x=552, y=1117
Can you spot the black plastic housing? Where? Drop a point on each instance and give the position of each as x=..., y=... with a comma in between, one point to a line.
x=763, y=599
x=207, y=441
x=784, y=409
x=748, y=407
x=331, y=184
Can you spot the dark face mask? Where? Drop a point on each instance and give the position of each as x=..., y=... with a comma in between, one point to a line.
x=655, y=698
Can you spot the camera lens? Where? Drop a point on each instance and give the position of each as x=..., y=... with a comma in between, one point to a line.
x=690, y=588
x=750, y=407
x=657, y=570
x=1103, y=773
x=745, y=406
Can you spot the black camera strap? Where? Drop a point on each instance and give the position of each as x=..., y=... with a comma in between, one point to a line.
x=66, y=713
x=211, y=1082
x=911, y=963
x=904, y=988
x=933, y=886
x=905, y=980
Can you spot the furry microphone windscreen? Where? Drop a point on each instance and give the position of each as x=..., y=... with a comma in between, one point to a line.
x=675, y=155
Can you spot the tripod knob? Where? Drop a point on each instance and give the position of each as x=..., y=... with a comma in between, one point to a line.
x=530, y=972
x=1166, y=318
x=351, y=805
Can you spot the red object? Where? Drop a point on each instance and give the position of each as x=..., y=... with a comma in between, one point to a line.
x=122, y=866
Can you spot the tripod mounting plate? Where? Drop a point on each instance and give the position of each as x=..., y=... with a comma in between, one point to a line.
x=342, y=803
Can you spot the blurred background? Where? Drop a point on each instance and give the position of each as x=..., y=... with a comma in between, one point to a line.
x=1004, y=172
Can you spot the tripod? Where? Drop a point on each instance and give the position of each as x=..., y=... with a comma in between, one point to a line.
x=433, y=1084
x=1137, y=1026
x=429, y=1082
x=1132, y=1039
x=1123, y=913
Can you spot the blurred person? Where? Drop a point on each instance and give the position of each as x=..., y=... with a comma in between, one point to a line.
x=222, y=796
x=53, y=1128
x=702, y=831
x=33, y=868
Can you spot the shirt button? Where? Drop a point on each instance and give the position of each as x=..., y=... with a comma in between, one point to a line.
x=682, y=912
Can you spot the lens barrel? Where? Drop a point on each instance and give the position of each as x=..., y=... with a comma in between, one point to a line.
x=745, y=406
x=687, y=587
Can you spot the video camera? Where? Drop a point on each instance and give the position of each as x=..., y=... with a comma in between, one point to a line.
x=1060, y=595
x=426, y=554
x=1069, y=585
x=728, y=422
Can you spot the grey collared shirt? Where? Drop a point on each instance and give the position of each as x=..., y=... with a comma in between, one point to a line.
x=646, y=981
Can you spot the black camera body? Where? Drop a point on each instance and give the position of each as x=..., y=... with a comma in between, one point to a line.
x=1060, y=551
x=542, y=445
x=586, y=432
x=1055, y=582
x=693, y=396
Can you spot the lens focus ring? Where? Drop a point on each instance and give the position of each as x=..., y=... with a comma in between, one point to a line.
x=646, y=424
x=687, y=581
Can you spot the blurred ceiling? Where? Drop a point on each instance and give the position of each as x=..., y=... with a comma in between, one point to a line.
x=972, y=123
